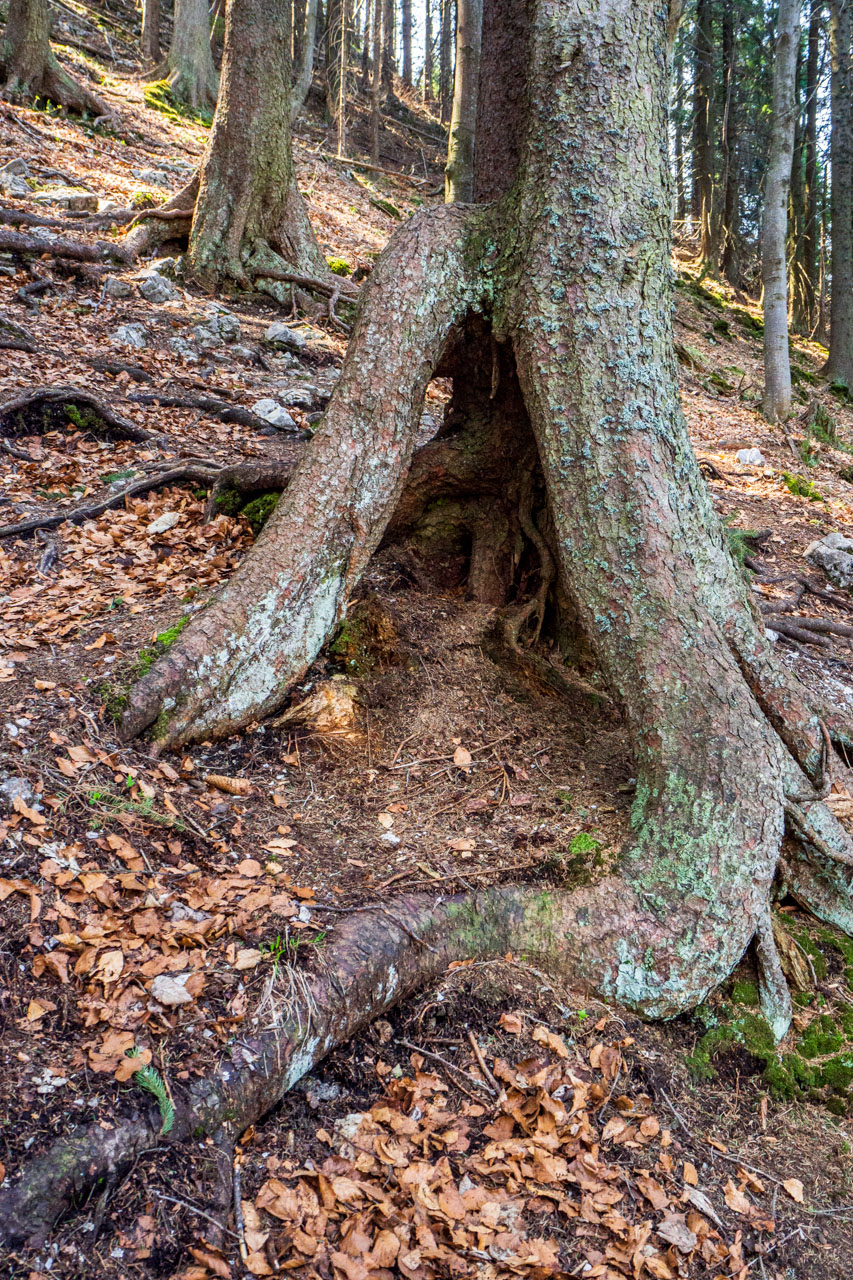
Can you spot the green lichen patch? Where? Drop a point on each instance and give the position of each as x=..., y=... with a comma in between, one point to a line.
x=259, y=510
x=160, y=645
x=800, y=487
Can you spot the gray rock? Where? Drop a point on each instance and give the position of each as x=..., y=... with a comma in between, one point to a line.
x=168, y=267
x=281, y=336
x=74, y=199
x=206, y=337
x=273, y=413
x=750, y=457
x=300, y=397
x=131, y=335
x=242, y=353
x=182, y=348
x=109, y=206
x=833, y=554
x=153, y=177
x=115, y=287
x=13, y=178
x=156, y=288
x=17, y=788
x=15, y=168
x=228, y=327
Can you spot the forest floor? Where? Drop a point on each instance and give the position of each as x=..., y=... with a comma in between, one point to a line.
x=496, y=1126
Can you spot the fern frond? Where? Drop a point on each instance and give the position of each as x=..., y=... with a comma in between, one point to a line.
x=149, y=1078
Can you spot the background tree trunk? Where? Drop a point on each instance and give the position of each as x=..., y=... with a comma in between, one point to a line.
x=376, y=87
x=307, y=45
x=729, y=139
x=249, y=213
x=149, y=42
x=703, y=135
x=388, y=50
x=189, y=69
x=840, y=362
x=774, y=267
x=459, y=171
x=427, y=86
x=406, y=40
x=445, y=60
x=810, y=167
x=678, y=108
x=30, y=69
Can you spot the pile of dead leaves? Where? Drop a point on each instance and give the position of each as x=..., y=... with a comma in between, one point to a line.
x=565, y=1175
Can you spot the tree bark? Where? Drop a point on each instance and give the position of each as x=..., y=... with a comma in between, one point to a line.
x=334, y=34
x=678, y=109
x=774, y=267
x=729, y=139
x=307, y=45
x=376, y=85
x=189, y=69
x=249, y=214
x=427, y=87
x=840, y=362
x=406, y=39
x=29, y=67
x=445, y=60
x=149, y=41
x=459, y=171
x=388, y=50
x=703, y=136
x=810, y=168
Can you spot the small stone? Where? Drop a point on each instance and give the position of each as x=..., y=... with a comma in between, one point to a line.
x=300, y=397
x=273, y=413
x=13, y=178
x=153, y=177
x=156, y=288
x=115, y=287
x=72, y=198
x=15, y=168
x=750, y=457
x=834, y=554
x=280, y=335
x=182, y=348
x=109, y=206
x=228, y=327
x=206, y=337
x=131, y=335
x=242, y=353
x=170, y=990
x=167, y=521
x=15, y=787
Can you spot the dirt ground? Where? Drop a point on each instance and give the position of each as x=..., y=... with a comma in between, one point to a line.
x=495, y=1126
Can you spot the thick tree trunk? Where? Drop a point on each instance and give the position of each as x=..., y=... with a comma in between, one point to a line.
x=29, y=68
x=459, y=171
x=189, y=69
x=777, y=181
x=250, y=214
x=149, y=40
x=840, y=362
x=703, y=136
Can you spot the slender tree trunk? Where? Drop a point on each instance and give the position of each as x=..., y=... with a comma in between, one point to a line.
x=459, y=172
x=365, y=79
x=249, y=213
x=297, y=31
x=334, y=36
x=729, y=140
x=678, y=111
x=28, y=67
x=703, y=135
x=388, y=50
x=427, y=88
x=149, y=43
x=189, y=69
x=307, y=45
x=810, y=167
x=777, y=181
x=445, y=60
x=406, y=33
x=797, y=301
x=840, y=362
x=376, y=87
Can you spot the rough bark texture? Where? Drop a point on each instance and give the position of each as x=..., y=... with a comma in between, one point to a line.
x=29, y=67
x=840, y=362
x=729, y=139
x=189, y=68
x=810, y=187
x=445, y=60
x=703, y=135
x=250, y=214
x=774, y=228
x=459, y=171
x=149, y=40
x=406, y=40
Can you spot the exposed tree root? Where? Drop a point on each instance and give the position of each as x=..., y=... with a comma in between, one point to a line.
x=13, y=337
x=100, y=251
x=90, y=222
x=215, y=408
x=48, y=408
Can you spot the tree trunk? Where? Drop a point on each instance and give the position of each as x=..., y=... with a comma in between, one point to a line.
x=406, y=34
x=249, y=214
x=29, y=68
x=334, y=34
x=189, y=68
x=703, y=135
x=840, y=362
x=810, y=168
x=459, y=171
x=729, y=138
x=445, y=60
x=376, y=86
x=297, y=31
x=149, y=41
x=307, y=45
x=428, y=89
x=725, y=741
x=678, y=110
x=777, y=181
x=388, y=50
